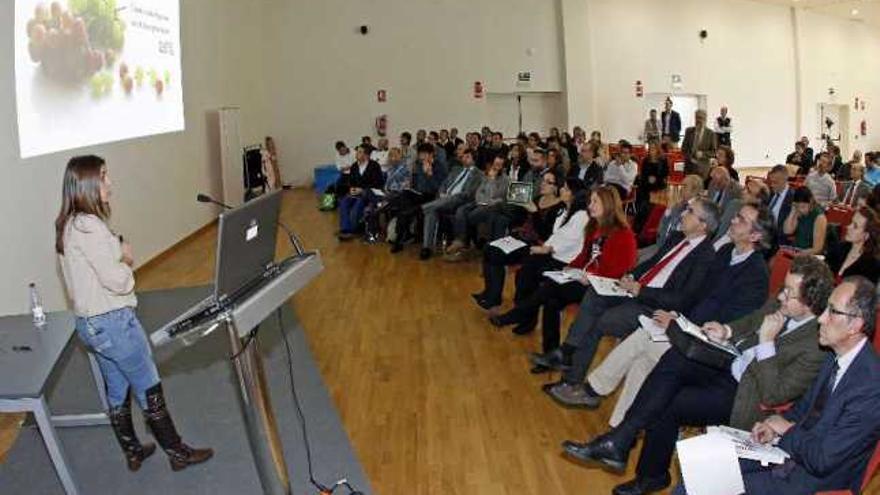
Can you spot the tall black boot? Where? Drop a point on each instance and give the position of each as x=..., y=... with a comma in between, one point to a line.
x=120, y=420
x=180, y=455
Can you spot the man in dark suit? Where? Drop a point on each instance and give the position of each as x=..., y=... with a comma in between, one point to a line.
x=458, y=189
x=800, y=159
x=671, y=122
x=588, y=168
x=780, y=198
x=365, y=175
x=778, y=362
x=672, y=279
x=832, y=431
x=699, y=146
x=857, y=191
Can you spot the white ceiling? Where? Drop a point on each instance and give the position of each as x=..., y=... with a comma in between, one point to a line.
x=868, y=10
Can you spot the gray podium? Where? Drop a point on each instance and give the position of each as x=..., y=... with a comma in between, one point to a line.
x=27, y=357
x=240, y=318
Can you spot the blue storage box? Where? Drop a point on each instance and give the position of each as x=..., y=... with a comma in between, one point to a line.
x=325, y=176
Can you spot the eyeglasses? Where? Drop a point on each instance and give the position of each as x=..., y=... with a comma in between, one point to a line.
x=787, y=292
x=831, y=309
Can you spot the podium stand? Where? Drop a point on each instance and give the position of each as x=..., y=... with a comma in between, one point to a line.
x=240, y=317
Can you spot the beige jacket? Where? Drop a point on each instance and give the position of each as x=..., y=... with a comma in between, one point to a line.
x=97, y=280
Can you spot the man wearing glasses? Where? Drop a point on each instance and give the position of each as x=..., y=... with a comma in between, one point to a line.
x=832, y=431
x=779, y=360
x=672, y=279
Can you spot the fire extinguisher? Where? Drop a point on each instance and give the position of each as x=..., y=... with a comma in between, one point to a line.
x=640, y=90
x=863, y=128
x=382, y=125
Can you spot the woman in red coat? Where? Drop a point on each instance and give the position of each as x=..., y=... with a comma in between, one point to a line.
x=609, y=251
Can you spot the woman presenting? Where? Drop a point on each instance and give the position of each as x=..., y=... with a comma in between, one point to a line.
x=97, y=272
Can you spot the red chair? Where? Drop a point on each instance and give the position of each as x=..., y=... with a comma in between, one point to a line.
x=648, y=235
x=779, y=265
x=840, y=215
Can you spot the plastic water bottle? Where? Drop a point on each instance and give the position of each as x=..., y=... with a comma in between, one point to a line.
x=37, y=306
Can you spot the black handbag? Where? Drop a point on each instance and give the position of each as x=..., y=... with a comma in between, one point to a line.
x=702, y=351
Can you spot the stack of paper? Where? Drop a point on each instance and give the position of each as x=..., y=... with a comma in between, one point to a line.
x=656, y=333
x=560, y=277
x=689, y=327
x=605, y=286
x=709, y=466
x=748, y=449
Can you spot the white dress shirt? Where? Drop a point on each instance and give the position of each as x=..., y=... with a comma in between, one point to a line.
x=568, y=240
x=622, y=174
x=776, y=203
x=843, y=362
x=660, y=279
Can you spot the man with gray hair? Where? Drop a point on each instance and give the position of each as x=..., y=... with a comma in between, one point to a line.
x=672, y=279
x=699, y=146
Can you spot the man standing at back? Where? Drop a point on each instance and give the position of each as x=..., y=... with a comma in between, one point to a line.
x=671, y=121
x=699, y=146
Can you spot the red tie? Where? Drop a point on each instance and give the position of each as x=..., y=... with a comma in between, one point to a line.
x=650, y=274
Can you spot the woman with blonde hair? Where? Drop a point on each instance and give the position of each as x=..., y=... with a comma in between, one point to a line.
x=97, y=267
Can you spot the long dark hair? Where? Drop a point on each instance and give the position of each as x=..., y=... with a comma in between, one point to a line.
x=80, y=193
x=613, y=218
x=579, y=198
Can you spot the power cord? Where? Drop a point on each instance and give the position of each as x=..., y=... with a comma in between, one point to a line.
x=250, y=338
x=324, y=490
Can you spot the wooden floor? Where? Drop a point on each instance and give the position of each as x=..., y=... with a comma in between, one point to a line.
x=435, y=401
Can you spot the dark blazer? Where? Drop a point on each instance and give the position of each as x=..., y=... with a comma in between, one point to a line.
x=730, y=292
x=834, y=452
x=520, y=175
x=683, y=288
x=372, y=177
x=777, y=380
x=707, y=144
x=674, y=130
x=853, y=192
x=474, y=179
x=593, y=175
x=784, y=210
x=866, y=265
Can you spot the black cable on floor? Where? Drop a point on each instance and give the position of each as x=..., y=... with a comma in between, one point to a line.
x=302, y=420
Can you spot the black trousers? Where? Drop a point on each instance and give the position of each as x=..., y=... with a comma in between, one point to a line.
x=552, y=298
x=502, y=218
x=678, y=392
x=495, y=263
x=406, y=207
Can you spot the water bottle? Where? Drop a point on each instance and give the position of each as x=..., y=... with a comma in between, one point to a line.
x=37, y=306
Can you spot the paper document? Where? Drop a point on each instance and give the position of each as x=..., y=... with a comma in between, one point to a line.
x=656, y=333
x=378, y=192
x=560, y=277
x=748, y=449
x=689, y=327
x=709, y=465
x=605, y=286
x=508, y=244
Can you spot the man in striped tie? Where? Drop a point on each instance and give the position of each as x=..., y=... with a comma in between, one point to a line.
x=671, y=280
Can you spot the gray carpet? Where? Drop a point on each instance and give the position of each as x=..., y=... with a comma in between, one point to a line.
x=203, y=399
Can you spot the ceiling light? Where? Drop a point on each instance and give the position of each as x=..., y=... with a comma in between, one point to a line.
x=854, y=12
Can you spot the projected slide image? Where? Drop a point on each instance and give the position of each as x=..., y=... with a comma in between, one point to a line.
x=93, y=71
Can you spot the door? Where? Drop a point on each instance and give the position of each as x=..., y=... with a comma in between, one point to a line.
x=685, y=105
x=512, y=113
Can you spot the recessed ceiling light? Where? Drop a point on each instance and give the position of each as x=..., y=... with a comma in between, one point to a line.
x=854, y=12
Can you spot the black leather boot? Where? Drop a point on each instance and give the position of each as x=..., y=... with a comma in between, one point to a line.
x=180, y=455
x=120, y=420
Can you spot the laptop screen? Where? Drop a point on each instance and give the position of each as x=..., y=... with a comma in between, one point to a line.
x=246, y=244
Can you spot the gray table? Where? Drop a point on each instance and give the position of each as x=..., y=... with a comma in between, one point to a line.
x=26, y=373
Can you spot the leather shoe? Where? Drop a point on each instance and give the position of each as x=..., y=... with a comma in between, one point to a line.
x=572, y=396
x=603, y=450
x=425, y=253
x=396, y=247
x=642, y=486
x=552, y=359
x=524, y=328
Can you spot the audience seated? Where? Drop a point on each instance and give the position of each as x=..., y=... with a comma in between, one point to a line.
x=800, y=160
x=781, y=195
x=540, y=224
x=845, y=172
x=780, y=359
x=691, y=187
x=589, y=168
x=456, y=191
x=425, y=183
x=609, y=250
x=621, y=172
x=397, y=178
x=807, y=223
x=517, y=163
x=409, y=152
x=821, y=183
x=735, y=286
x=651, y=179
x=363, y=176
x=491, y=192
x=857, y=190
x=725, y=157
x=872, y=170
x=672, y=279
x=560, y=249
x=699, y=146
x=380, y=153
x=859, y=253
x=832, y=431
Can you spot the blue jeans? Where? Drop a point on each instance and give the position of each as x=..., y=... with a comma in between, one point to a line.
x=120, y=345
x=351, y=210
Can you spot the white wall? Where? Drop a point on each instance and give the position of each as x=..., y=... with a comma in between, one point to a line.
x=843, y=55
x=156, y=178
x=746, y=63
x=425, y=53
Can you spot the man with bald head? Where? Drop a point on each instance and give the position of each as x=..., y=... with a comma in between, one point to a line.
x=699, y=146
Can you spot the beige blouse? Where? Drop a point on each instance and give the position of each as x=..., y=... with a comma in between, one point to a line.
x=96, y=278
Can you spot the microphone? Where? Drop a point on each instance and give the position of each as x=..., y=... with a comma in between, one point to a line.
x=294, y=239
x=204, y=198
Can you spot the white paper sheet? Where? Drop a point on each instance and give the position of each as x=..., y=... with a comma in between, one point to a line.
x=605, y=286
x=560, y=277
x=709, y=465
x=508, y=244
x=656, y=333
x=747, y=449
